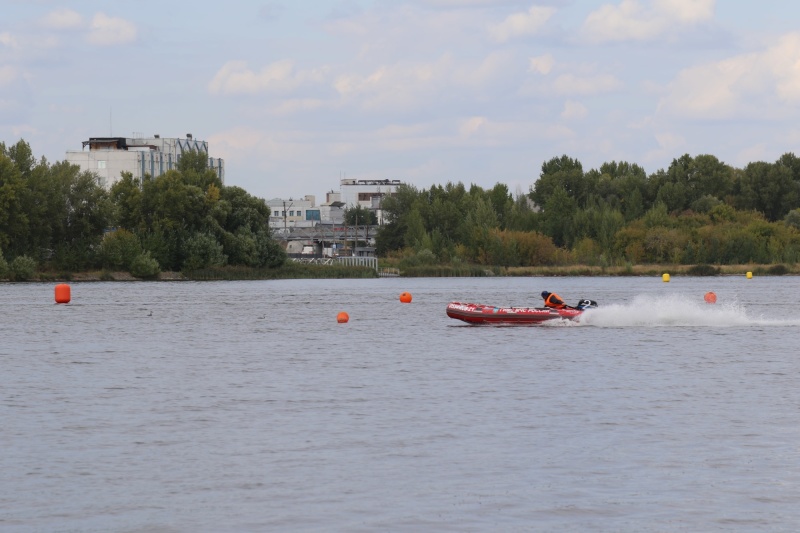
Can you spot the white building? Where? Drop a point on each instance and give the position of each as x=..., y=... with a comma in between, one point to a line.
x=293, y=213
x=109, y=157
x=368, y=193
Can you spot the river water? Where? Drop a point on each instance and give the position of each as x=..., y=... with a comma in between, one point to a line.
x=245, y=406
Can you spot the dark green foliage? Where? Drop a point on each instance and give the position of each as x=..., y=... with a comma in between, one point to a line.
x=703, y=270
x=360, y=216
x=118, y=250
x=22, y=268
x=144, y=266
x=777, y=270
x=203, y=251
x=3, y=266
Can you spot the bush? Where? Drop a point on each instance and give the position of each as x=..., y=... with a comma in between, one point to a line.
x=145, y=266
x=777, y=270
x=118, y=249
x=22, y=268
x=3, y=267
x=703, y=270
x=203, y=251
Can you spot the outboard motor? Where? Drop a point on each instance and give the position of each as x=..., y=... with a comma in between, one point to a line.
x=586, y=304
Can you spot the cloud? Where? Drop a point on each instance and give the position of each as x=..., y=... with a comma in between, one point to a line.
x=574, y=110
x=541, y=64
x=106, y=31
x=668, y=144
x=754, y=85
x=521, y=24
x=630, y=20
x=574, y=84
x=236, y=78
x=6, y=39
x=62, y=19
x=8, y=75
x=271, y=10
x=297, y=105
x=471, y=126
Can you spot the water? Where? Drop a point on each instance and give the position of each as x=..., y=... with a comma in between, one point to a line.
x=244, y=406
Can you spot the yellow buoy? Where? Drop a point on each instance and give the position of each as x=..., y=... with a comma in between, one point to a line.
x=749, y=275
x=342, y=317
x=710, y=297
x=405, y=297
x=62, y=293
x=665, y=277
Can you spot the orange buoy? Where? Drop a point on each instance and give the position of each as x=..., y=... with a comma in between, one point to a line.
x=710, y=298
x=62, y=293
x=342, y=317
x=405, y=297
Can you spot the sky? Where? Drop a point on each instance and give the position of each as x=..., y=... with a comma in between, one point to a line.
x=297, y=94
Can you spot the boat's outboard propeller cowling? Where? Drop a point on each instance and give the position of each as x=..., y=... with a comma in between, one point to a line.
x=586, y=304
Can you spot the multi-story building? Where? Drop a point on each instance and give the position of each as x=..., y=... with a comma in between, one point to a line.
x=368, y=193
x=109, y=157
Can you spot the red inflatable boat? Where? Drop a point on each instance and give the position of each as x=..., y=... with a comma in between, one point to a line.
x=490, y=314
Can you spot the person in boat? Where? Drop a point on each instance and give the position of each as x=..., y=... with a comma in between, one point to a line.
x=553, y=300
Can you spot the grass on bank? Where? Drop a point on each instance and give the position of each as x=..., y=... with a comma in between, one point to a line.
x=293, y=270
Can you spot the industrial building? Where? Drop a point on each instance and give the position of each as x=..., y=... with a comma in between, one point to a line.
x=109, y=157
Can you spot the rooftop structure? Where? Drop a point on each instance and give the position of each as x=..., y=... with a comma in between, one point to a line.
x=109, y=157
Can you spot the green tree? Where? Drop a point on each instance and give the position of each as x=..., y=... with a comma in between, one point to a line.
x=768, y=188
x=359, y=215
x=561, y=173
x=558, y=213
x=118, y=249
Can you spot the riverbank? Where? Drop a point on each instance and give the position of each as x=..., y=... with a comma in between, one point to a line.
x=300, y=271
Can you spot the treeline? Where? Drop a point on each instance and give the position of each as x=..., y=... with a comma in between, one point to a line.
x=55, y=217
x=698, y=211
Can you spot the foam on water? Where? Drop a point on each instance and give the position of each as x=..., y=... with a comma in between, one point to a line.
x=676, y=311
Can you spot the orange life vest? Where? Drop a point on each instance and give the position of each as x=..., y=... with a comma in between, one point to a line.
x=554, y=300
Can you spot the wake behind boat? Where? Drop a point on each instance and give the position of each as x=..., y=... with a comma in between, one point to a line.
x=490, y=314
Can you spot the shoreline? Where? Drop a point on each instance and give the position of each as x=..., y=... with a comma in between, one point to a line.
x=432, y=271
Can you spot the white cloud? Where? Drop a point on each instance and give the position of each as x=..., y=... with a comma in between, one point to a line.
x=686, y=11
x=630, y=20
x=574, y=110
x=542, y=64
x=62, y=19
x=8, y=75
x=236, y=78
x=574, y=84
x=754, y=85
x=296, y=105
x=471, y=126
x=668, y=145
x=105, y=30
x=521, y=24
x=6, y=39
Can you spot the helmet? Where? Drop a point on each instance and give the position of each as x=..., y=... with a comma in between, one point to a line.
x=545, y=294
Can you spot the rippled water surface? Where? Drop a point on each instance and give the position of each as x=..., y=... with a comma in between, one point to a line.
x=245, y=406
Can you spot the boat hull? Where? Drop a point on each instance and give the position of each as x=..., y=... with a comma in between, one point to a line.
x=490, y=314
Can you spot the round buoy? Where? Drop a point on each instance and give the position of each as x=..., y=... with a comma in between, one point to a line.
x=665, y=277
x=749, y=275
x=710, y=297
x=405, y=297
x=62, y=293
x=342, y=318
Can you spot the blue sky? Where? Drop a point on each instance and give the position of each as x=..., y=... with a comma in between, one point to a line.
x=296, y=94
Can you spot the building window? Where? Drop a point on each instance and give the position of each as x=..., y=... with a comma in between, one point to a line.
x=312, y=214
x=101, y=164
x=276, y=214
